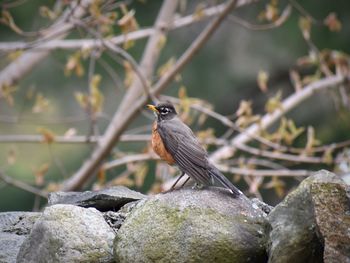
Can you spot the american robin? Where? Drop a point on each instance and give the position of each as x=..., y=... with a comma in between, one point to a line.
x=176, y=144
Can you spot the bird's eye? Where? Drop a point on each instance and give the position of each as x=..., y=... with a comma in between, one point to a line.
x=164, y=110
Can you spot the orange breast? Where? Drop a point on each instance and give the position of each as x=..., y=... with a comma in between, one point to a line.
x=158, y=146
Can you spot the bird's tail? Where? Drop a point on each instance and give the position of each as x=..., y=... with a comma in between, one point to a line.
x=221, y=179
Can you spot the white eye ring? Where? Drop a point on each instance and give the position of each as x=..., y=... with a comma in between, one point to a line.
x=164, y=111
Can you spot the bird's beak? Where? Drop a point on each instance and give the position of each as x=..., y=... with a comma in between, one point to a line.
x=152, y=108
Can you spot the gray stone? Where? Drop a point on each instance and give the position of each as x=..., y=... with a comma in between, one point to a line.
x=311, y=222
x=116, y=219
x=263, y=206
x=67, y=233
x=103, y=200
x=14, y=228
x=331, y=205
x=206, y=225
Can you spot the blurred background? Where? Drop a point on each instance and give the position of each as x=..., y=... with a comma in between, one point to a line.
x=231, y=68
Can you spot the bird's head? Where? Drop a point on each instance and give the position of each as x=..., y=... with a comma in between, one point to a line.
x=163, y=110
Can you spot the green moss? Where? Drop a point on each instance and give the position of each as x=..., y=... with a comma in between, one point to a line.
x=190, y=233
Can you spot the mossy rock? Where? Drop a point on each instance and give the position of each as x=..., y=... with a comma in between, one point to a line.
x=206, y=225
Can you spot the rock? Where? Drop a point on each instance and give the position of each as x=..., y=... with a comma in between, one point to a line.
x=310, y=223
x=103, y=200
x=116, y=219
x=67, y=233
x=186, y=225
x=263, y=206
x=331, y=204
x=14, y=228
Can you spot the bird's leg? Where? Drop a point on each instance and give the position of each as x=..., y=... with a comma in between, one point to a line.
x=178, y=179
x=197, y=186
x=188, y=178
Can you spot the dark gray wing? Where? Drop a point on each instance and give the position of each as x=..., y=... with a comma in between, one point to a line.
x=187, y=152
x=190, y=156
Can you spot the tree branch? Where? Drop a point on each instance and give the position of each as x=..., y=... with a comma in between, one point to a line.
x=22, y=65
x=118, y=40
x=21, y=185
x=122, y=115
x=264, y=172
x=71, y=139
x=277, y=23
x=288, y=104
x=129, y=159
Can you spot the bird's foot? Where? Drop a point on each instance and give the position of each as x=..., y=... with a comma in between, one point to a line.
x=197, y=186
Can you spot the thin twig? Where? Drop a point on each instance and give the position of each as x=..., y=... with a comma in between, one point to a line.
x=127, y=108
x=227, y=122
x=303, y=11
x=277, y=23
x=21, y=185
x=126, y=113
x=263, y=172
x=289, y=103
x=22, y=65
x=122, y=53
x=129, y=159
x=84, y=139
x=118, y=40
x=279, y=156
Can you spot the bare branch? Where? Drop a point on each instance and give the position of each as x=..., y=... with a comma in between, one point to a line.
x=279, y=156
x=71, y=139
x=289, y=103
x=277, y=23
x=129, y=159
x=118, y=40
x=126, y=113
x=127, y=108
x=263, y=172
x=22, y=65
x=305, y=13
x=227, y=122
x=21, y=185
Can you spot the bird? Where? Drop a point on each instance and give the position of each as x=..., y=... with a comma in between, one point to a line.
x=175, y=143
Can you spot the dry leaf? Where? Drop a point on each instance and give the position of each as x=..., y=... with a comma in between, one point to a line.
x=163, y=69
x=276, y=184
x=47, y=13
x=48, y=136
x=82, y=99
x=41, y=104
x=161, y=42
x=199, y=11
x=129, y=73
x=274, y=103
x=40, y=174
x=7, y=92
x=262, y=80
x=296, y=80
x=128, y=22
x=311, y=140
x=305, y=26
x=245, y=108
x=333, y=22
x=14, y=55
x=8, y=20
x=11, y=157
x=328, y=156
x=101, y=176
x=140, y=174
x=96, y=96
x=74, y=65
x=70, y=133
